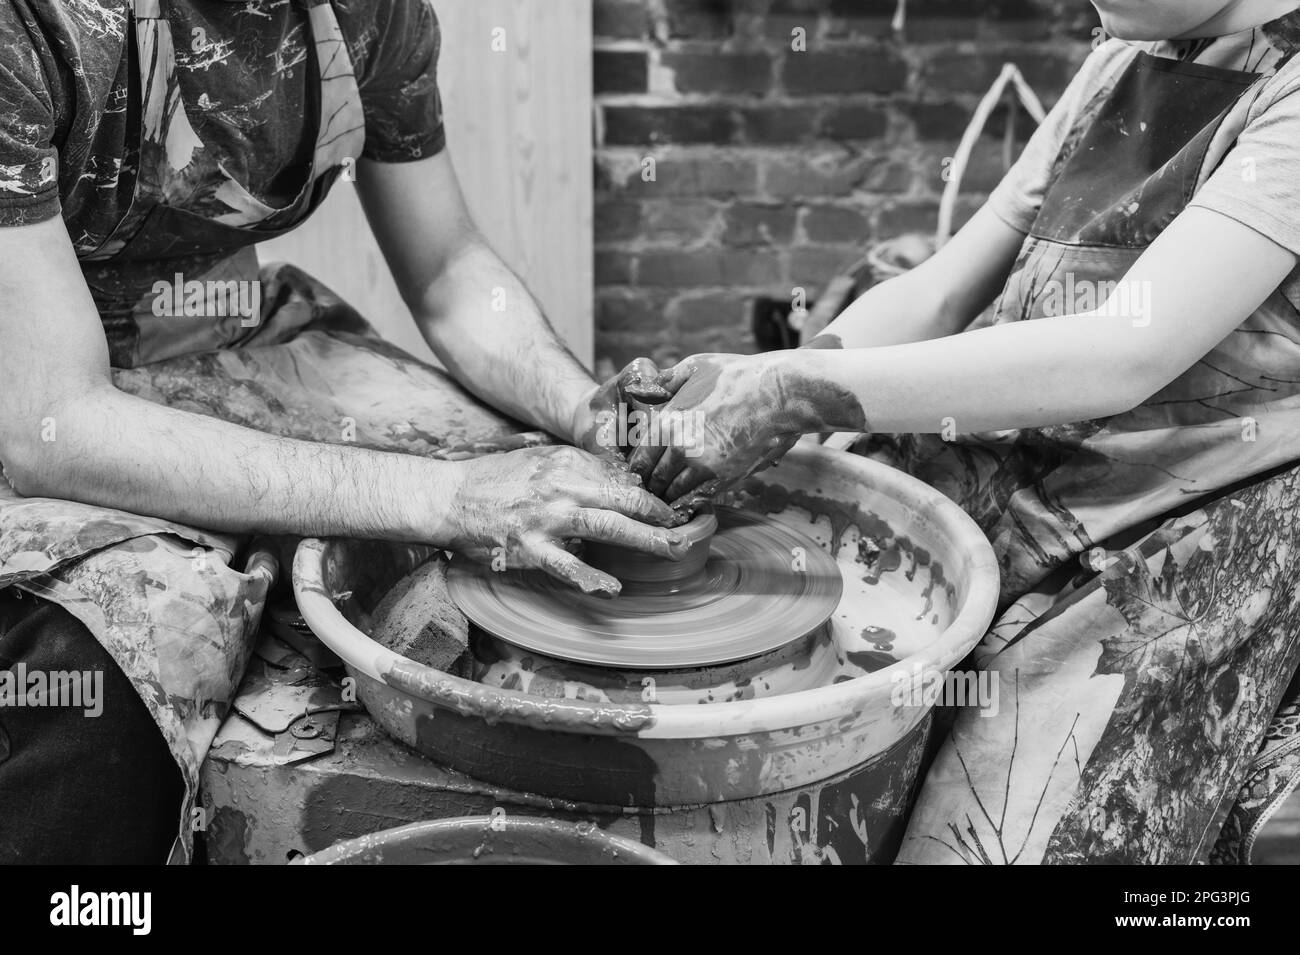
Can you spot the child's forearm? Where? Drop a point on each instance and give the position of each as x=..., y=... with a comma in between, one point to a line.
x=895, y=312
x=939, y=297
x=1029, y=374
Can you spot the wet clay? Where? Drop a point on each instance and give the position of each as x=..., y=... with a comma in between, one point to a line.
x=647, y=574
x=762, y=586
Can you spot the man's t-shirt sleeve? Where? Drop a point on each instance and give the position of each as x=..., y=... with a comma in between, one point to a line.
x=29, y=163
x=399, y=85
x=1258, y=182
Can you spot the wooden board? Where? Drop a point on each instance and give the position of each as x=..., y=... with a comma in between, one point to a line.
x=519, y=131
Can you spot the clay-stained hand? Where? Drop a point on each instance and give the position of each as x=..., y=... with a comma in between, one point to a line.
x=602, y=419
x=728, y=417
x=521, y=510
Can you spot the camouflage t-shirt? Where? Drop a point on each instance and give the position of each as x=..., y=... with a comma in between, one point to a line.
x=70, y=97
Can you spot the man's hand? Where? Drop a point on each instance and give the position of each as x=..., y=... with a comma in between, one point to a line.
x=517, y=510
x=636, y=389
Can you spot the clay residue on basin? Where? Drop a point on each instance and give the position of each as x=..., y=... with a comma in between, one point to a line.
x=881, y=618
x=885, y=614
x=896, y=604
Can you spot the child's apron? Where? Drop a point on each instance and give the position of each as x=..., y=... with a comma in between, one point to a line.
x=1133, y=699
x=166, y=600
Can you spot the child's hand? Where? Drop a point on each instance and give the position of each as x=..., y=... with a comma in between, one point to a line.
x=728, y=417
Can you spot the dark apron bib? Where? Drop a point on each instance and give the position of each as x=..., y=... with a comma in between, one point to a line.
x=1138, y=166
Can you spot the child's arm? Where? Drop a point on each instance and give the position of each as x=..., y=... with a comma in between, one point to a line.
x=939, y=297
x=1205, y=274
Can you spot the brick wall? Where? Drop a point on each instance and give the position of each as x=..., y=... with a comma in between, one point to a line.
x=774, y=168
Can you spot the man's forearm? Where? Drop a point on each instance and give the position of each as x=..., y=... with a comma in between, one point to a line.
x=115, y=450
x=489, y=331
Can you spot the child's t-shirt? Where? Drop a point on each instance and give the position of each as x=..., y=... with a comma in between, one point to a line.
x=1258, y=181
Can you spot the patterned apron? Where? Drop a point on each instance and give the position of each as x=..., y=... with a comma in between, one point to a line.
x=1150, y=617
x=177, y=606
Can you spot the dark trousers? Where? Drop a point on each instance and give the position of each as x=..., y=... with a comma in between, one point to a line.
x=76, y=788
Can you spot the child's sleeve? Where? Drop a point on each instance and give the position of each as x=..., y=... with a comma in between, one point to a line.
x=1258, y=182
x=1018, y=197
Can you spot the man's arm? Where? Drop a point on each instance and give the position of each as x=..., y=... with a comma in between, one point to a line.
x=66, y=432
x=109, y=448
x=474, y=312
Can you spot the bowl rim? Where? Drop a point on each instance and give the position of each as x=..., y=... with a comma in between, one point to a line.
x=702, y=721
x=348, y=849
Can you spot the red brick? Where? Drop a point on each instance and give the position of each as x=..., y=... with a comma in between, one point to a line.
x=996, y=9
x=975, y=72
x=699, y=175
x=946, y=122
x=868, y=70
x=986, y=169
x=621, y=19
x=601, y=177
x=686, y=344
x=835, y=223
x=613, y=268
x=621, y=348
x=706, y=267
x=906, y=216
x=666, y=354
x=713, y=311
x=750, y=224
x=616, y=219
x=619, y=71
x=675, y=220
x=776, y=125
x=813, y=266
x=809, y=174
x=713, y=72
x=628, y=310
x=920, y=29
x=699, y=19
x=889, y=176
x=929, y=21
x=847, y=122
x=799, y=6
x=943, y=122
x=653, y=125
x=779, y=29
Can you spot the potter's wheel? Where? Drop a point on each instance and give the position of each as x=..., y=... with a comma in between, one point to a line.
x=749, y=585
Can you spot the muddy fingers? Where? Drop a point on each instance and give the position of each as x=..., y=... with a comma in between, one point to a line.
x=562, y=565
x=610, y=528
